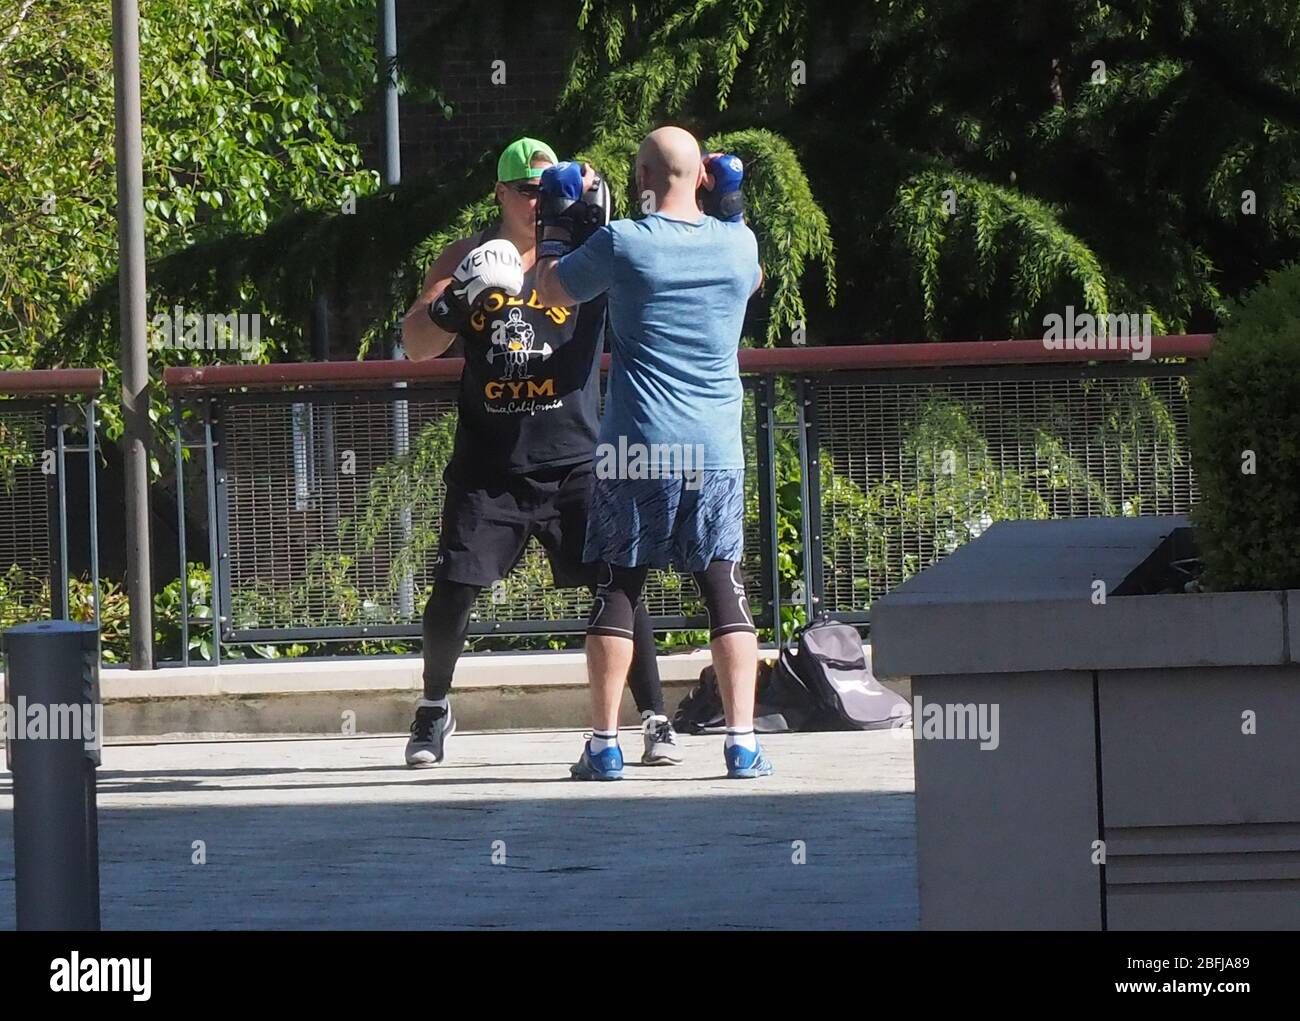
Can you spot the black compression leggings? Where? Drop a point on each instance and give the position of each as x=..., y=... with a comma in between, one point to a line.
x=446, y=623
x=618, y=599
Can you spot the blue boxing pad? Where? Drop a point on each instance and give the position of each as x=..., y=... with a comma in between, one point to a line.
x=563, y=203
x=725, y=201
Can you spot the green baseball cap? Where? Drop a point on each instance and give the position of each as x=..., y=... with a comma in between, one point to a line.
x=514, y=162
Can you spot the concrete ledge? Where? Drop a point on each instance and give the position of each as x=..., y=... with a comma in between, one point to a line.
x=1021, y=599
x=371, y=695
x=377, y=673
x=374, y=673
x=494, y=691
x=372, y=711
x=924, y=637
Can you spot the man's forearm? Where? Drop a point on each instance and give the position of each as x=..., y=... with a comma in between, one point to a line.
x=564, y=221
x=421, y=338
x=549, y=289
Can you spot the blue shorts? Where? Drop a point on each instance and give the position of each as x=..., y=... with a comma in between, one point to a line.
x=683, y=523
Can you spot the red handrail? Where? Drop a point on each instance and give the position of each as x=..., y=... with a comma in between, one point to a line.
x=49, y=382
x=760, y=361
x=963, y=352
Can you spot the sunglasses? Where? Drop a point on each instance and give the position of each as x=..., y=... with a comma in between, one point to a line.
x=527, y=190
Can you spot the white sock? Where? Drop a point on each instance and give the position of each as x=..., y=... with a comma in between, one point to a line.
x=600, y=740
x=745, y=738
x=440, y=703
x=650, y=716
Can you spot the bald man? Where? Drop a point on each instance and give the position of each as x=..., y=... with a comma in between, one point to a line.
x=669, y=489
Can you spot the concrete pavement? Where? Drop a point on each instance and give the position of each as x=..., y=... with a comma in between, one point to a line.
x=336, y=833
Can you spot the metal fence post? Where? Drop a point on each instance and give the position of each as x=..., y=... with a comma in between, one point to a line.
x=53, y=731
x=56, y=504
x=178, y=424
x=393, y=177
x=810, y=505
x=813, y=543
x=92, y=475
x=61, y=473
x=215, y=482
x=764, y=399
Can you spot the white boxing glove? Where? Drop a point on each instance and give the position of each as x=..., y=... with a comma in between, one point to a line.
x=493, y=265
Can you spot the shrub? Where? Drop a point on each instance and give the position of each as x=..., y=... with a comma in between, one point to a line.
x=1245, y=438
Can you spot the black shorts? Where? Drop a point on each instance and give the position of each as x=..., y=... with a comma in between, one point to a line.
x=486, y=526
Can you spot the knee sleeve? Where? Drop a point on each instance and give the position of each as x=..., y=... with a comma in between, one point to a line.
x=613, y=608
x=722, y=584
x=643, y=674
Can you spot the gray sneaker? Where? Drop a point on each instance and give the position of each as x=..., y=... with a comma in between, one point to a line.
x=432, y=726
x=660, y=742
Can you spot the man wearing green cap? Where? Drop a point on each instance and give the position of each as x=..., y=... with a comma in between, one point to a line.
x=521, y=465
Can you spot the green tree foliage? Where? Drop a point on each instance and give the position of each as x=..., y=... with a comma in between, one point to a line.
x=1105, y=155
x=943, y=170
x=244, y=107
x=372, y=260
x=1245, y=422
x=1136, y=157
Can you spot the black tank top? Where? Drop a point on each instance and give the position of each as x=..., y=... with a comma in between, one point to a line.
x=530, y=391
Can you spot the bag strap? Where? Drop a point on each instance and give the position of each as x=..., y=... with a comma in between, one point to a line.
x=788, y=659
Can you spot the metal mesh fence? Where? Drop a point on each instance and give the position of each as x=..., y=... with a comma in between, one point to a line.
x=912, y=466
x=329, y=528
x=329, y=525
x=24, y=509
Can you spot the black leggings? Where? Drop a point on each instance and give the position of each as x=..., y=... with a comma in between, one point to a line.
x=618, y=604
x=446, y=623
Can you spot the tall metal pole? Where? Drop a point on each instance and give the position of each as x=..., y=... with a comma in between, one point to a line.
x=133, y=358
x=392, y=135
x=393, y=176
x=320, y=351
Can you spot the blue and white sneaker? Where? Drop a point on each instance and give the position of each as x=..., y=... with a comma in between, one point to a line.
x=604, y=765
x=742, y=764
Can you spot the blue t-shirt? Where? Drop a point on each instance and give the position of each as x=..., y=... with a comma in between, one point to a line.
x=677, y=295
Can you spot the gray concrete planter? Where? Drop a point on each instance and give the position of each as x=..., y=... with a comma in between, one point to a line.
x=1132, y=763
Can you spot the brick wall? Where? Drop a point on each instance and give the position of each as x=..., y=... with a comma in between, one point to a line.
x=536, y=54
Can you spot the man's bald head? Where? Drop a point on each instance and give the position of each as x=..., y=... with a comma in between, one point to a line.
x=669, y=164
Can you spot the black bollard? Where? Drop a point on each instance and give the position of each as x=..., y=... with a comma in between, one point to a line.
x=52, y=738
